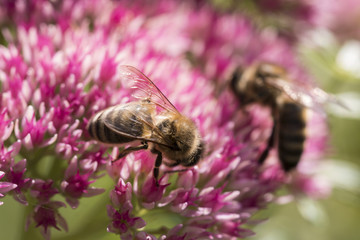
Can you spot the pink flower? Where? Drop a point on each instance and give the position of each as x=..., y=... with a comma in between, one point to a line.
x=315, y=187
x=64, y=64
x=43, y=190
x=76, y=185
x=6, y=126
x=46, y=215
x=16, y=175
x=152, y=193
x=121, y=193
x=122, y=222
x=5, y=186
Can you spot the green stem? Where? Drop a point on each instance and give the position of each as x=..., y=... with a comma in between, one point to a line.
x=56, y=171
x=32, y=232
x=158, y=220
x=95, y=223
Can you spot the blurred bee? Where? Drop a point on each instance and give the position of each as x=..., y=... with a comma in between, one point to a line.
x=153, y=121
x=268, y=84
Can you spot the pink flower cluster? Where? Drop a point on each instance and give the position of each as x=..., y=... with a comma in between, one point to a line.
x=62, y=64
x=340, y=17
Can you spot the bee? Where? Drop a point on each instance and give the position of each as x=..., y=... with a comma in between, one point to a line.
x=269, y=85
x=153, y=121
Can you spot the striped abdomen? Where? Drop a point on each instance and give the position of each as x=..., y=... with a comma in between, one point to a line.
x=126, y=119
x=292, y=125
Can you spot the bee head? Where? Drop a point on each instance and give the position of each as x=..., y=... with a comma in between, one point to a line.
x=195, y=157
x=235, y=80
x=182, y=134
x=240, y=82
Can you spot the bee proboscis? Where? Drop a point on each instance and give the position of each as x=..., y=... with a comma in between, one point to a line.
x=153, y=121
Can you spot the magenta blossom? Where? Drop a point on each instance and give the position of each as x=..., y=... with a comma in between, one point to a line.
x=5, y=186
x=76, y=185
x=46, y=216
x=62, y=64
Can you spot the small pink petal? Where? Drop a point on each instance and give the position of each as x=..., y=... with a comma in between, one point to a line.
x=7, y=132
x=227, y=216
x=72, y=168
x=74, y=203
x=92, y=191
x=49, y=141
x=27, y=142
x=6, y=187
x=62, y=222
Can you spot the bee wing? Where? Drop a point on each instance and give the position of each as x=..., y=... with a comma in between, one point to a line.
x=309, y=97
x=147, y=88
x=324, y=97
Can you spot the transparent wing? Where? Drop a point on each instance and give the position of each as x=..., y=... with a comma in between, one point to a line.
x=146, y=88
x=324, y=97
x=310, y=97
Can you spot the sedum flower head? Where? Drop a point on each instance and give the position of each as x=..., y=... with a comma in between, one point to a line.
x=62, y=64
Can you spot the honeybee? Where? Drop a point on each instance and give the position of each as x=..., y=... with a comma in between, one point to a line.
x=152, y=120
x=269, y=85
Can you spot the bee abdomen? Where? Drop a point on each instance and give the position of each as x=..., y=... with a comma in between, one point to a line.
x=292, y=125
x=99, y=131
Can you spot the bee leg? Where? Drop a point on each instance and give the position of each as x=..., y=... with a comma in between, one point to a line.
x=270, y=144
x=158, y=162
x=128, y=150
